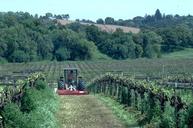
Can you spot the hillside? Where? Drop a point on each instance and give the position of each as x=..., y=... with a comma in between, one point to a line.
x=104, y=27
x=30, y=38
x=186, y=53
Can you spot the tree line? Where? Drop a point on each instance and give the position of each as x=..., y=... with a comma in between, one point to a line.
x=24, y=38
x=148, y=21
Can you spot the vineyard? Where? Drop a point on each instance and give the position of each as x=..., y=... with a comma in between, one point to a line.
x=29, y=104
x=150, y=99
x=140, y=68
x=160, y=89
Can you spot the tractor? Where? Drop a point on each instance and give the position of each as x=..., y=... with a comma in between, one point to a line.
x=70, y=83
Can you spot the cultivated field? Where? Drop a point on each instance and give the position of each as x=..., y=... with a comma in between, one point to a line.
x=105, y=27
x=91, y=69
x=117, y=87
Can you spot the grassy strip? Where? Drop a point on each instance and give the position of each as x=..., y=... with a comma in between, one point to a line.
x=36, y=109
x=127, y=115
x=186, y=53
x=86, y=112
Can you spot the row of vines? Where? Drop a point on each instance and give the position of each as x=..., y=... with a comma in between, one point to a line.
x=148, y=68
x=159, y=107
x=29, y=104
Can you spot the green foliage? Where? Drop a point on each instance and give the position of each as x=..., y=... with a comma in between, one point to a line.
x=71, y=46
x=128, y=116
x=37, y=109
x=83, y=50
x=25, y=38
x=44, y=114
x=44, y=47
x=167, y=118
x=186, y=53
x=100, y=21
x=3, y=60
x=155, y=100
x=138, y=51
x=154, y=21
x=97, y=55
x=29, y=100
x=95, y=35
x=40, y=84
x=158, y=15
x=62, y=54
x=119, y=45
x=150, y=44
x=19, y=56
x=13, y=117
x=176, y=31
x=189, y=116
x=3, y=48
x=176, y=38
x=109, y=20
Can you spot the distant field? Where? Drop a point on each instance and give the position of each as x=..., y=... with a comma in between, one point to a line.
x=107, y=28
x=91, y=69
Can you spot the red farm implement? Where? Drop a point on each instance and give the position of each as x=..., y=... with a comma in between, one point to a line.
x=70, y=83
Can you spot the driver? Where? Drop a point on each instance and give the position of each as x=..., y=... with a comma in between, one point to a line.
x=72, y=86
x=70, y=77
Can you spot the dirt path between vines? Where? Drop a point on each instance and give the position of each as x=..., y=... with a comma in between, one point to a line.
x=86, y=112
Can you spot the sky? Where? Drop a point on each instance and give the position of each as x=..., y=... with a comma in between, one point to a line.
x=94, y=9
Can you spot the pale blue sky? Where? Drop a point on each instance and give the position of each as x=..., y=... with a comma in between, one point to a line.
x=94, y=9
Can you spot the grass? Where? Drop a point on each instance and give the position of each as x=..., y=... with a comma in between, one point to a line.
x=35, y=109
x=100, y=56
x=127, y=115
x=186, y=53
x=86, y=112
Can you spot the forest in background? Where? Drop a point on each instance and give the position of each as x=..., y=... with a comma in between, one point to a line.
x=26, y=38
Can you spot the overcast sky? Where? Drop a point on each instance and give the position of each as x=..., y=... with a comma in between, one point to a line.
x=94, y=9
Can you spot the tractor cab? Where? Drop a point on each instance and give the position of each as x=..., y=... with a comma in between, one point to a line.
x=71, y=76
x=70, y=83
